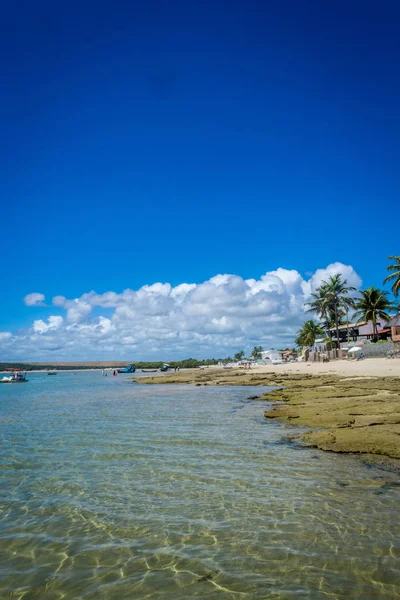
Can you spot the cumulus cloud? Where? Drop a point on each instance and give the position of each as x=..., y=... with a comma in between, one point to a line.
x=34, y=299
x=59, y=300
x=159, y=321
x=54, y=322
x=5, y=335
x=348, y=273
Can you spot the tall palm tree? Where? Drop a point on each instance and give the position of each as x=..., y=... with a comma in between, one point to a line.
x=319, y=305
x=332, y=300
x=337, y=292
x=256, y=352
x=394, y=276
x=373, y=305
x=308, y=333
x=322, y=305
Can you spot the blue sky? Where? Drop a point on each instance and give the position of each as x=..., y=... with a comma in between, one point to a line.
x=171, y=142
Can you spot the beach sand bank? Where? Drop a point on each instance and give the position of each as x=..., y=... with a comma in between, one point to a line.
x=350, y=406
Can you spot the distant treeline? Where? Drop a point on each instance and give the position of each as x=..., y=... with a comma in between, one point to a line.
x=41, y=367
x=188, y=363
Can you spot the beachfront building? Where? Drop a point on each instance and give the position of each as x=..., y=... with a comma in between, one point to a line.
x=361, y=331
x=288, y=355
x=267, y=356
x=319, y=345
x=394, y=325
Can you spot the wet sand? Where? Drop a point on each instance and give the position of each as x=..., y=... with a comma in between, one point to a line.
x=350, y=406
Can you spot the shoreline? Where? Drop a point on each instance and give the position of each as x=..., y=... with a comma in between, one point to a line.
x=350, y=408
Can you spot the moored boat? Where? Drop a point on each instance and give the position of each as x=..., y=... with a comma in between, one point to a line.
x=149, y=370
x=16, y=376
x=128, y=369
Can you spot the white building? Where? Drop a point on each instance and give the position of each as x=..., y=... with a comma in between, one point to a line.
x=270, y=355
x=361, y=331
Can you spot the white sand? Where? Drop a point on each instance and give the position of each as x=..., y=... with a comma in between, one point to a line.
x=374, y=367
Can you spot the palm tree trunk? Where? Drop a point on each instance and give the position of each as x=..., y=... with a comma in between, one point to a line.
x=337, y=326
x=326, y=319
x=348, y=334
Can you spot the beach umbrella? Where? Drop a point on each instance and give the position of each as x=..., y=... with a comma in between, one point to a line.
x=355, y=349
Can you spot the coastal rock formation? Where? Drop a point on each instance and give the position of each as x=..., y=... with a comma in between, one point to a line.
x=359, y=415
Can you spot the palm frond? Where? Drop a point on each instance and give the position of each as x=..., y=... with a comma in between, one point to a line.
x=394, y=276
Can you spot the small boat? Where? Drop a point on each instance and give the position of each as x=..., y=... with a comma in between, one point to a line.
x=52, y=373
x=15, y=377
x=149, y=370
x=128, y=369
x=164, y=367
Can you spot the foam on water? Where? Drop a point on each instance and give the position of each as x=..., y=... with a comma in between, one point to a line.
x=112, y=490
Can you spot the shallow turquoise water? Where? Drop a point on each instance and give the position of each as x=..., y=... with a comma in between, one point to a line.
x=112, y=490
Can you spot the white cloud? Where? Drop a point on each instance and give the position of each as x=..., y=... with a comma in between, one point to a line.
x=34, y=299
x=5, y=335
x=213, y=318
x=59, y=300
x=54, y=322
x=348, y=273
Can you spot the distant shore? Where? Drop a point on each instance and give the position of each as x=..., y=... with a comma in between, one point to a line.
x=350, y=406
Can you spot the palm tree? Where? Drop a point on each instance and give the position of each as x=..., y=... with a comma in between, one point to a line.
x=331, y=301
x=394, y=276
x=239, y=355
x=308, y=333
x=373, y=305
x=337, y=298
x=256, y=352
x=322, y=305
x=319, y=305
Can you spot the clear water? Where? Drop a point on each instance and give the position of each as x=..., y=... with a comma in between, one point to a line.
x=111, y=490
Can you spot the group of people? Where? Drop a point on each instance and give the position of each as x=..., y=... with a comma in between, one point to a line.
x=176, y=369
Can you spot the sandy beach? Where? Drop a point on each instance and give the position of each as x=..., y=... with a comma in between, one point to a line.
x=347, y=406
x=377, y=367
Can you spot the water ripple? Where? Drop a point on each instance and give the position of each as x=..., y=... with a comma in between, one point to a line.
x=111, y=491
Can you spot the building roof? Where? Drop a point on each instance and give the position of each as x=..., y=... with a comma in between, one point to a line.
x=350, y=325
x=394, y=321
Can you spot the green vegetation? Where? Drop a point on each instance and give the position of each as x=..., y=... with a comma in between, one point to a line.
x=332, y=301
x=256, y=352
x=394, y=276
x=183, y=364
x=308, y=333
x=373, y=305
x=41, y=367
